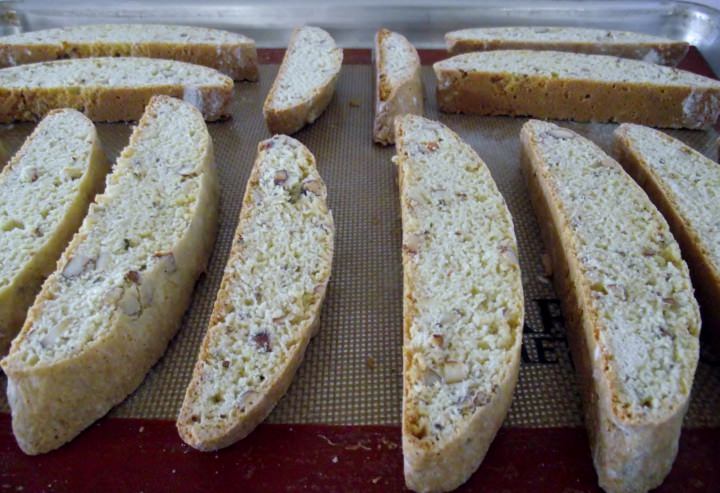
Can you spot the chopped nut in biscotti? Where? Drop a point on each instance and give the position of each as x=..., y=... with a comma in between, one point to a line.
x=262, y=341
x=133, y=276
x=432, y=146
x=312, y=186
x=560, y=133
x=281, y=177
x=412, y=243
x=168, y=259
x=438, y=340
x=75, y=266
x=455, y=371
x=130, y=304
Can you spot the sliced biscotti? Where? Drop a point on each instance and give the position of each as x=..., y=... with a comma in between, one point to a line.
x=109, y=89
x=305, y=83
x=46, y=189
x=105, y=316
x=230, y=53
x=398, y=86
x=624, y=44
x=573, y=86
x=633, y=323
x=685, y=187
x=462, y=305
x=268, y=305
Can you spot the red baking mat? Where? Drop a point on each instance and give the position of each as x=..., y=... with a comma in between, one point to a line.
x=118, y=454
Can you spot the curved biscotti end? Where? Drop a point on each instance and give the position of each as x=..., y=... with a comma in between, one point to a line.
x=268, y=305
x=460, y=366
x=110, y=88
x=47, y=187
x=106, y=315
x=398, y=83
x=305, y=83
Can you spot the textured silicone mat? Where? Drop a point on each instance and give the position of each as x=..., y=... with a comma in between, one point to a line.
x=352, y=369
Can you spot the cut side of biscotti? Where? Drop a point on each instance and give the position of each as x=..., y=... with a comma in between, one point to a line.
x=462, y=305
x=46, y=189
x=105, y=316
x=398, y=86
x=574, y=86
x=230, y=53
x=268, y=305
x=109, y=89
x=685, y=187
x=624, y=44
x=305, y=82
x=633, y=323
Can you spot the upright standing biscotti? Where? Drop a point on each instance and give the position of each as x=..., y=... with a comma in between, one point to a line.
x=106, y=315
x=305, y=83
x=685, y=187
x=573, y=86
x=230, y=53
x=624, y=44
x=268, y=305
x=462, y=305
x=633, y=324
x=398, y=86
x=45, y=192
x=109, y=89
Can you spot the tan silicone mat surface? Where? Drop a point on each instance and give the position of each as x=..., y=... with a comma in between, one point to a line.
x=352, y=370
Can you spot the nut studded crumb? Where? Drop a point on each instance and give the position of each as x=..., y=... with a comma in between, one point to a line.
x=463, y=304
x=268, y=305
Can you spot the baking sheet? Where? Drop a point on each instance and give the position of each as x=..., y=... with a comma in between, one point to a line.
x=352, y=370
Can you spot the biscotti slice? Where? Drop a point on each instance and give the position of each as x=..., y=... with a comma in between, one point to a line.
x=462, y=305
x=632, y=321
x=398, y=86
x=685, y=187
x=109, y=89
x=46, y=189
x=268, y=305
x=573, y=86
x=232, y=54
x=305, y=83
x=624, y=44
x=105, y=316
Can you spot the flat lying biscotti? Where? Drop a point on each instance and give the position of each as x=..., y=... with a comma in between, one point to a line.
x=109, y=89
x=398, y=86
x=633, y=323
x=106, y=315
x=572, y=86
x=46, y=189
x=232, y=54
x=624, y=44
x=305, y=83
x=462, y=305
x=268, y=305
x=685, y=187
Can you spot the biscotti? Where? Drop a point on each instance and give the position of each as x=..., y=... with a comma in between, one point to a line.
x=598, y=88
x=624, y=44
x=632, y=321
x=398, y=86
x=109, y=89
x=232, y=54
x=462, y=305
x=46, y=189
x=305, y=83
x=105, y=316
x=683, y=184
x=268, y=305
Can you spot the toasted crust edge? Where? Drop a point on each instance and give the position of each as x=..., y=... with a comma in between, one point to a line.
x=290, y=120
x=407, y=97
x=52, y=404
x=236, y=430
x=628, y=458
x=447, y=468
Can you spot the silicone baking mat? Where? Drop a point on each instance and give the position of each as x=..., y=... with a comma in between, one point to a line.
x=352, y=370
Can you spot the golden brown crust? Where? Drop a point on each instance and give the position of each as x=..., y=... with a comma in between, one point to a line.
x=53, y=403
x=585, y=101
x=17, y=298
x=670, y=53
x=236, y=60
x=390, y=102
x=628, y=457
x=704, y=274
